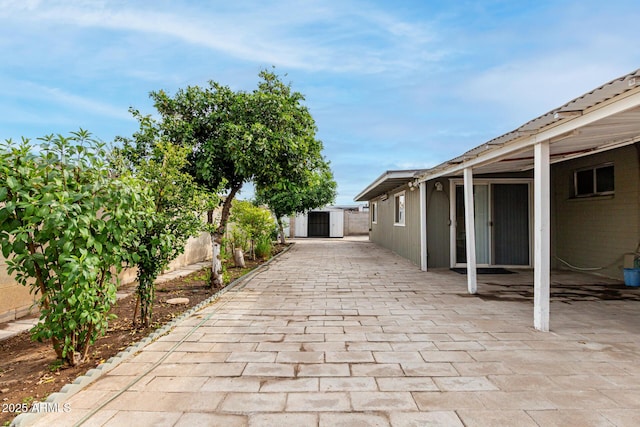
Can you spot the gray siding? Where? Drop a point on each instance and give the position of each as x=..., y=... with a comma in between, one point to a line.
x=587, y=232
x=403, y=240
x=597, y=231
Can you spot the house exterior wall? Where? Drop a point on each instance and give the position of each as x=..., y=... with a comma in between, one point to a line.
x=596, y=232
x=16, y=301
x=591, y=232
x=403, y=240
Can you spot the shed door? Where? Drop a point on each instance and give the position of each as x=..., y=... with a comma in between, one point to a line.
x=337, y=224
x=301, y=227
x=318, y=224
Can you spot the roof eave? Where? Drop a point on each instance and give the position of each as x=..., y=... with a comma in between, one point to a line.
x=370, y=191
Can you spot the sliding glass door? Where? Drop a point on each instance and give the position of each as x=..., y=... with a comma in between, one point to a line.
x=482, y=225
x=502, y=224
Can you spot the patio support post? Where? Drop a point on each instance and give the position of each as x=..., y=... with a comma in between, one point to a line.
x=542, y=240
x=470, y=231
x=423, y=226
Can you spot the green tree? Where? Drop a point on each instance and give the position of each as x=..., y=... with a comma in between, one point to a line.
x=64, y=226
x=256, y=222
x=285, y=197
x=178, y=206
x=237, y=137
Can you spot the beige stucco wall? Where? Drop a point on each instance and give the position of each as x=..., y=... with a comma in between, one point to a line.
x=403, y=240
x=15, y=299
x=597, y=231
x=197, y=249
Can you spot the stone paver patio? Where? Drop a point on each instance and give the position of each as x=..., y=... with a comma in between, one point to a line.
x=344, y=333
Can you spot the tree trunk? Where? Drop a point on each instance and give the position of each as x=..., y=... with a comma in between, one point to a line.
x=216, y=263
x=135, y=310
x=281, y=231
x=216, y=237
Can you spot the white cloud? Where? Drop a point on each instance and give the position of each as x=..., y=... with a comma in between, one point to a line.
x=391, y=85
x=87, y=104
x=413, y=165
x=298, y=35
x=527, y=89
x=62, y=98
x=569, y=48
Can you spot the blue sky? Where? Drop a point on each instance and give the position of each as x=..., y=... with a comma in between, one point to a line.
x=391, y=84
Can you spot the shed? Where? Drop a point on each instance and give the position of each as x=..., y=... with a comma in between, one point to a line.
x=324, y=222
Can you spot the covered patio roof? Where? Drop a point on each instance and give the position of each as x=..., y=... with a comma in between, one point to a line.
x=608, y=117
x=605, y=118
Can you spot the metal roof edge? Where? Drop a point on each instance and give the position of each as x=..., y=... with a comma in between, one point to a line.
x=385, y=176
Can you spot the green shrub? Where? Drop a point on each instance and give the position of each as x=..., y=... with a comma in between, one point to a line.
x=238, y=239
x=263, y=248
x=178, y=205
x=64, y=228
x=255, y=222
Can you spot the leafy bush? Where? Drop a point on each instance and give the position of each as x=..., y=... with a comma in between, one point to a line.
x=256, y=222
x=263, y=247
x=63, y=229
x=178, y=205
x=238, y=238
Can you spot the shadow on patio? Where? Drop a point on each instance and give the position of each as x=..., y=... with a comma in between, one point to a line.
x=566, y=286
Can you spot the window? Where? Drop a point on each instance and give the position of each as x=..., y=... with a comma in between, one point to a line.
x=398, y=209
x=374, y=212
x=594, y=181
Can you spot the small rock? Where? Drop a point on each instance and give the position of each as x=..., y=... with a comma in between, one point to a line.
x=4, y=390
x=177, y=301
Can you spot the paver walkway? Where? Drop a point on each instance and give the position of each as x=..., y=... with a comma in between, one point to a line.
x=340, y=332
